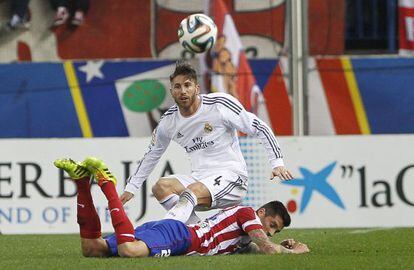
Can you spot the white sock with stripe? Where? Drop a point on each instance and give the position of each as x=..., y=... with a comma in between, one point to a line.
x=185, y=206
x=170, y=201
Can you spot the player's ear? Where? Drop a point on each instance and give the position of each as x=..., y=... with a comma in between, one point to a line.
x=261, y=212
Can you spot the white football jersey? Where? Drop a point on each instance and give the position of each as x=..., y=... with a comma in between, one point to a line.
x=209, y=137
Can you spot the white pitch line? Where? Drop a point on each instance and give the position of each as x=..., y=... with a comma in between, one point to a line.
x=370, y=230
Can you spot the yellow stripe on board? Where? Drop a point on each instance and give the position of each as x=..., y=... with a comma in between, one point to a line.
x=355, y=96
x=77, y=99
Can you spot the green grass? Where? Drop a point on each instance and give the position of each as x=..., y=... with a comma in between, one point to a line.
x=330, y=249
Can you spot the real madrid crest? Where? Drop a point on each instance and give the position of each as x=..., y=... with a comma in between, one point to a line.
x=208, y=128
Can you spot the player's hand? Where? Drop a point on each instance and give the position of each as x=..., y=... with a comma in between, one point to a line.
x=282, y=173
x=288, y=243
x=126, y=196
x=300, y=248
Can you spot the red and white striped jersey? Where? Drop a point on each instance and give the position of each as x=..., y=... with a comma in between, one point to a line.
x=224, y=232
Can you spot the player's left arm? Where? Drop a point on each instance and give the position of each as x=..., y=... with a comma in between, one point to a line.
x=250, y=248
x=246, y=122
x=265, y=246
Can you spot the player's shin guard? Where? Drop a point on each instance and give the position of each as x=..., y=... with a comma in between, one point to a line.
x=88, y=219
x=123, y=227
x=185, y=206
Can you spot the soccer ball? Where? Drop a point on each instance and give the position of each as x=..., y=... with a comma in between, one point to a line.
x=197, y=33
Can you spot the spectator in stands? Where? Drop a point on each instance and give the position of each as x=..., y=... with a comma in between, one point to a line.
x=20, y=15
x=74, y=9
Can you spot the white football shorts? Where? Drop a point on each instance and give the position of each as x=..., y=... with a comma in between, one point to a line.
x=226, y=188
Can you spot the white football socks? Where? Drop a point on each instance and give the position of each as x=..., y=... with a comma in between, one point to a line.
x=184, y=208
x=170, y=201
x=193, y=219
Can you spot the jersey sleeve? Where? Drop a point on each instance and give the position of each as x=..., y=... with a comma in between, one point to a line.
x=159, y=143
x=236, y=116
x=247, y=219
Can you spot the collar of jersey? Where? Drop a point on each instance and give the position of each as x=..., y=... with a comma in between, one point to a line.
x=194, y=114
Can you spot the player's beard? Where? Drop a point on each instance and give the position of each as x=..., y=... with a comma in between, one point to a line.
x=187, y=103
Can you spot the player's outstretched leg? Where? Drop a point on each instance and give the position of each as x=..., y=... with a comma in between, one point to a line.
x=88, y=219
x=165, y=191
x=185, y=206
x=123, y=228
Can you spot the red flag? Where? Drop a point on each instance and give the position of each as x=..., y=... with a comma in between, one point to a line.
x=406, y=26
x=231, y=72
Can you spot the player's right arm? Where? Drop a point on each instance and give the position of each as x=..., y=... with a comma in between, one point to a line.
x=159, y=143
x=265, y=246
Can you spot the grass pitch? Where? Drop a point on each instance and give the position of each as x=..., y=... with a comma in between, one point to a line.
x=330, y=249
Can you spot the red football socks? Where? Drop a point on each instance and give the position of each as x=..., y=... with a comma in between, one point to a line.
x=88, y=219
x=123, y=227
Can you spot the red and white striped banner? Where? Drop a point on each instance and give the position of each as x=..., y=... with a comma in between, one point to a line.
x=406, y=26
x=231, y=71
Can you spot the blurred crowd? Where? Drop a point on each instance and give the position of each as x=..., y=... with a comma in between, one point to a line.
x=71, y=12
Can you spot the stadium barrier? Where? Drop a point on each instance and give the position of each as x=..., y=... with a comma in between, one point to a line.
x=346, y=181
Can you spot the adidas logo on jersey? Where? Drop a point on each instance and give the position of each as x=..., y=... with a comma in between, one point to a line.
x=179, y=135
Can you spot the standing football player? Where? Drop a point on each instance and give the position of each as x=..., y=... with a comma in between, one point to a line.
x=206, y=127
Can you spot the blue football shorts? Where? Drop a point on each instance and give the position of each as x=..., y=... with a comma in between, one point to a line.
x=164, y=238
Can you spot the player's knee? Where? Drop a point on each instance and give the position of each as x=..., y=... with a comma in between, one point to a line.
x=94, y=247
x=202, y=193
x=126, y=253
x=162, y=188
x=89, y=251
x=86, y=252
x=199, y=189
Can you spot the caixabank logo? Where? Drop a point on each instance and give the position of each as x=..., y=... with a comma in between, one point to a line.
x=366, y=192
x=312, y=182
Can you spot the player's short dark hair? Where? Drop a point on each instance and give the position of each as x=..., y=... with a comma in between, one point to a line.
x=182, y=67
x=276, y=208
